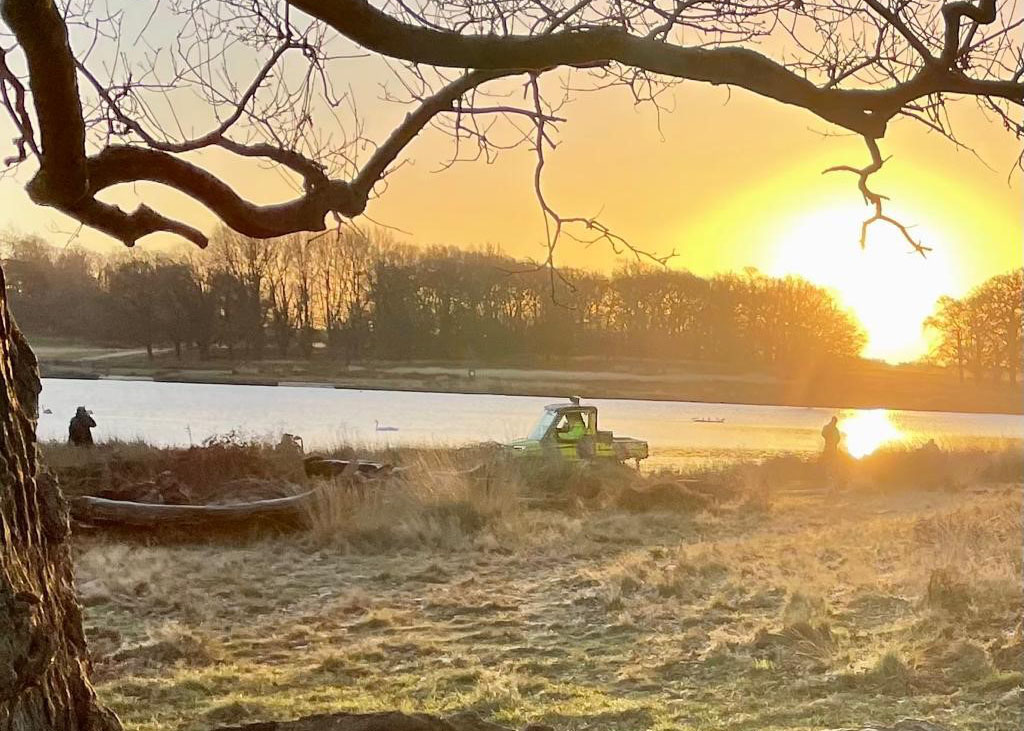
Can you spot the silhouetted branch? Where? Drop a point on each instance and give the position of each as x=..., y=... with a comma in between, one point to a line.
x=865, y=111
x=18, y=112
x=876, y=199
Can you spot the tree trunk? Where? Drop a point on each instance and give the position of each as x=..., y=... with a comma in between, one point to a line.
x=43, y=660
x=1012, y=348
x=960, y=355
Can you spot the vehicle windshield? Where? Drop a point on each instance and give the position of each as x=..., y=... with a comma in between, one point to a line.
x=540, y=429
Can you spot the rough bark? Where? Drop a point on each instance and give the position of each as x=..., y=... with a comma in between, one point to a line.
x=43, y=661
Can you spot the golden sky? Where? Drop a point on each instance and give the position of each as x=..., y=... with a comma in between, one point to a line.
x=730, y=181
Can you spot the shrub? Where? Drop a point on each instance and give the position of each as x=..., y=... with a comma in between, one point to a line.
x=948, y=591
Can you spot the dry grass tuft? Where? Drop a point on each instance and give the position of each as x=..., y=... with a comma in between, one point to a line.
x=892, y=468
x=890, y=675
x=202, y=470
x=948, y=591
x=172, y=643
x=435, y=502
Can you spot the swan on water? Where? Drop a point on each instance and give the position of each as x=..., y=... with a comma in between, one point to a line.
x=384, y=428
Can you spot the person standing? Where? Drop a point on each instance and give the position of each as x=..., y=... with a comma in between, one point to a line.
x=832, y=436
x=80, y=428
x=831, y=459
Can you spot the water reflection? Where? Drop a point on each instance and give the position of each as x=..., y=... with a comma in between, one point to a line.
x=866, y=431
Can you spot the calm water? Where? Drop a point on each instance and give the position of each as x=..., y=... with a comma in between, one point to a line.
x=184, y=413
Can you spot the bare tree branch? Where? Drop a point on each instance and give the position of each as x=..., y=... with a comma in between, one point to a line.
x=953, y=13
x=865, y=111
x=69, y=180
x=876, y=199
x=17, y=111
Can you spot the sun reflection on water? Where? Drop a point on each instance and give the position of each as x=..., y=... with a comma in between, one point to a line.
x=866, y=431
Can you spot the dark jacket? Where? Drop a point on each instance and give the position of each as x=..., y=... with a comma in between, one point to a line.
x=80, y=430
x=830, y=433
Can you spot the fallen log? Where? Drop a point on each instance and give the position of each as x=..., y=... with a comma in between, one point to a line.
x=286, y=510
x=329, y=467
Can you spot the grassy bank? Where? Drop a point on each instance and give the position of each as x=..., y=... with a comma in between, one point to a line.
x=744, y=597
x=856, y=385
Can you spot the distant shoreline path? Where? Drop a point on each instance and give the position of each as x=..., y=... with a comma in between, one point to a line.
x=627, y=389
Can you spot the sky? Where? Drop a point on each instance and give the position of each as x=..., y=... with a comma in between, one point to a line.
x=727, y=181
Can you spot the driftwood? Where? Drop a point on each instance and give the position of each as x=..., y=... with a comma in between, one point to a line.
x=327, y=467
x=330, y=467
x=285, y=510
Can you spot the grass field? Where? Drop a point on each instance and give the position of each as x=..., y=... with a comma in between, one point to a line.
x=753, y=599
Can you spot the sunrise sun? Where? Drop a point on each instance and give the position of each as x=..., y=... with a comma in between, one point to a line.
x=888, y=287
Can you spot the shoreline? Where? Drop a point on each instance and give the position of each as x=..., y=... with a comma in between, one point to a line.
x=625, y=390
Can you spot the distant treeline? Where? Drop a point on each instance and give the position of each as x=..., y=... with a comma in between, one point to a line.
x=357, y=297
x=982, y=333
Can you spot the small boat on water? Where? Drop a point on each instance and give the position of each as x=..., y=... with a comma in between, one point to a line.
x=708, y=420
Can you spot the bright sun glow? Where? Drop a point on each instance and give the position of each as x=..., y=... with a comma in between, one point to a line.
x=866, y=431
x=890, y=289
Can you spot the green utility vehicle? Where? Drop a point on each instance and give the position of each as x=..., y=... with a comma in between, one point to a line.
x=569, y=431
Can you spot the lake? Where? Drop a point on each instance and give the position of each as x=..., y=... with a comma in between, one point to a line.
x=176, y=414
